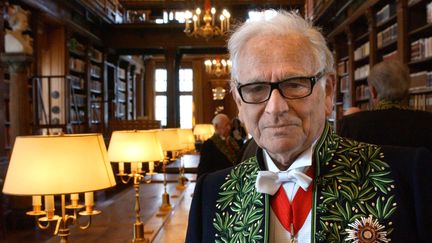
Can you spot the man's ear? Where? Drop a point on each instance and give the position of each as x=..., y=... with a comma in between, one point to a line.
x=373, y=93
x=329, y=93
x=236, y=97
x=238, y=101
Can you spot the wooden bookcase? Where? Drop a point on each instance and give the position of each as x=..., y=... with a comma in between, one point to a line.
x=77, y=70
x=6, y=140
x=96, y=89
x=121, y=89
x=73, y=102
x=369, y=32
x=419, y=30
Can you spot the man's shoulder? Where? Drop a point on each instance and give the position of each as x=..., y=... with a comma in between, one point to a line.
x=246, y=167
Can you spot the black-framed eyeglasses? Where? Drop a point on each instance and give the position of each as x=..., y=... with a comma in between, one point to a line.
x=291, y=88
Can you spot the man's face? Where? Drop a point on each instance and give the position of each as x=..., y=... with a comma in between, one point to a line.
x=283, y=127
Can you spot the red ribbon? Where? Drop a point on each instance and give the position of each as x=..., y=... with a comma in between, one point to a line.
x=294, y=213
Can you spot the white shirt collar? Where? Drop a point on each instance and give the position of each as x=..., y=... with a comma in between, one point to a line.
x=304, y=160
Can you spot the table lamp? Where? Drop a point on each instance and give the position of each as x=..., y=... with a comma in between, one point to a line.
x=59, y=165
x=170, y=142
x=203, y=131
x=135, y=147
x=187, y=139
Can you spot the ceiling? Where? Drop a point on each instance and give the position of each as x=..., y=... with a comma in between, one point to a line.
x=237, y=8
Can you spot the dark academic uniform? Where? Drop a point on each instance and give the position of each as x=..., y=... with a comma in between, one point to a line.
x=352, y=181
x=216, y=154
x=394, y=126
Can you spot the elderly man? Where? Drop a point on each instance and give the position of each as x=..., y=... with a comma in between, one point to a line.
x=389, y=121
x=220, y=151
x=305, y=183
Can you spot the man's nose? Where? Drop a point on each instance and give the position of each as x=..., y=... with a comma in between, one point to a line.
x=276, y=103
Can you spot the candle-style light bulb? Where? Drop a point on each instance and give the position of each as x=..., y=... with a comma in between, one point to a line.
x=121, y=168
x=37, y=200
x=222, y=18
x=213, y=11
x=49, y=206
x=37, y=203
x=74, y=197
x=139, y=167
x=151, y=167
x=89, y=201
x=195, y=20
x=134, y=167
x=198, y=13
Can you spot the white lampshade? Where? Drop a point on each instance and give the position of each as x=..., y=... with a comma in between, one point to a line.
x=134, y=146
x=58, y=164
x=203, y=131
x=170, y=139
x=187, y=139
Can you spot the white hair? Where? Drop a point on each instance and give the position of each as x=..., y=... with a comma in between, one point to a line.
x=280, y=24
x=219, y=118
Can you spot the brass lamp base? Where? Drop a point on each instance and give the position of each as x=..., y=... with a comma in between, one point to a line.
x=166, y=205
x=182, y=182
x=139, y=233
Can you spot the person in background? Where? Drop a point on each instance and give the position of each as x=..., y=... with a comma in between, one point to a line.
x=305, y=183
x=220, y=150
x=389, y=121
x=238, y=132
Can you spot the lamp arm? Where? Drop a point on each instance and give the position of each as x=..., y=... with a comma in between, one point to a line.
x=57, y=226
x=42, y=226
x=70, y=217
x=125, y=181
x=83, y=227
x=147, y=179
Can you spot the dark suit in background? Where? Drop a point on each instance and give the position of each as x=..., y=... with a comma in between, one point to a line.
x=394, y=126
x=216, y=155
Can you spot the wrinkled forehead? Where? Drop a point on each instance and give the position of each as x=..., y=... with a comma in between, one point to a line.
x=289, y=53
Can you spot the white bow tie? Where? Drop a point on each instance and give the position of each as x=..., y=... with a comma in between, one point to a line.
x=269, y=182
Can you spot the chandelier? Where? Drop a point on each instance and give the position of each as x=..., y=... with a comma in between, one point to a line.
x=204, y=25
x=218, y=93
x=218, y=67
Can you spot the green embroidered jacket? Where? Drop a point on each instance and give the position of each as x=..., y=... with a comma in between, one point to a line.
x=355, y=197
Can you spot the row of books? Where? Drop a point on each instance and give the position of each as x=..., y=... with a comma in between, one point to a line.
x=95, y=71
x=121, y=73
x=362, y=51
x=421, y=102
x=429, y=12
x=96, y=116
x=76, y=82
x=362, y=92
x=344, y=84
x=421, y=79
x=96, y=55
x=121, y=86
x=342, y=67
x=77, y=116
x=386, y=36
x=120, y=110
x=385, y=13
x=361, y=72
x=78, y=100
x=390, y=56
x=421, y=48
x=77, y=64
x=96, y=86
